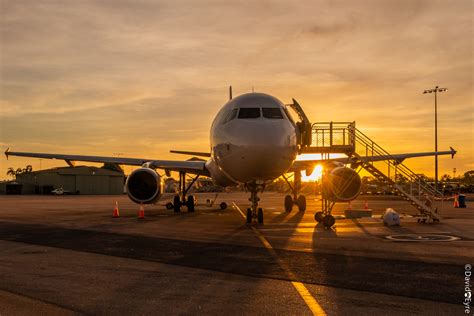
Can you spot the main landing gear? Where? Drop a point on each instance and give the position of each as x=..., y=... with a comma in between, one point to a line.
x=254, y=213
x=300, y=200
x=325, y=216
x=181, y=199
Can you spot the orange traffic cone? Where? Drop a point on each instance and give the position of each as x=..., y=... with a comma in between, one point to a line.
x=349, y=207
x=366, y=205
x=456, y=201
x=116, y=211
x=141, y=212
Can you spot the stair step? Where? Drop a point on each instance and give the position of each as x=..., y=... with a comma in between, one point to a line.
x=414, y=200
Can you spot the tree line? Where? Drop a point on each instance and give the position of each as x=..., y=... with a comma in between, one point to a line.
x=12, y=172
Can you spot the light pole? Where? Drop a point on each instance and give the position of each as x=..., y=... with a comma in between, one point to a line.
x=436, y=90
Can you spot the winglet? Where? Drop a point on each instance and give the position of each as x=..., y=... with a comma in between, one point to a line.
x=453, y=152
x=6, y=152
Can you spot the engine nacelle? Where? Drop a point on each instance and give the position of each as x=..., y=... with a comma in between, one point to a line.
x=144, y=186
x=341, y=184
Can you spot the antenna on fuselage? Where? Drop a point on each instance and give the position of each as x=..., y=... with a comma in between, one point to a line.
x=230, y=92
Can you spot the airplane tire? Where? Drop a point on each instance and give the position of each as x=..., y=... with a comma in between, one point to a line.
x=169, y=206
x=301, y=202
x=249, y=216
x=176, y=204
x=319, y=217
x=328, y=221
x=223, y=205
x=190, y=204
x=260, y=215
x=288, y=203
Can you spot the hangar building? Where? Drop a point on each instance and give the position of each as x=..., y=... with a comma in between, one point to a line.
x=75, y=180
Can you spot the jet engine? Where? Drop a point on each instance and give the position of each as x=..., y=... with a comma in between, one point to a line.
x=144, y=186
x=341, y=184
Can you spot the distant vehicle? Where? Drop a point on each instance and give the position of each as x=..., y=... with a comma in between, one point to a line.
x=60, y=191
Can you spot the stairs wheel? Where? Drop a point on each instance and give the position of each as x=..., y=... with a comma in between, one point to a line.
x=288, y=203
x=318, y=216
x=328, y=221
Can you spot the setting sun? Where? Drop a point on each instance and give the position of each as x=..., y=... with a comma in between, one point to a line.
x=313, y=177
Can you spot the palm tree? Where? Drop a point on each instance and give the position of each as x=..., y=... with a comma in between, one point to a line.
x=27, y=169
x=11, y=172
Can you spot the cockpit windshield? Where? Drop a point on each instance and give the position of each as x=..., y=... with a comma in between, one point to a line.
x=249, y=113
x=269, y=113
x=229, y=116
x=272, y=113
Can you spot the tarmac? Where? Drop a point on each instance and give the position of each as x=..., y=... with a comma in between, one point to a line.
x=67, y=255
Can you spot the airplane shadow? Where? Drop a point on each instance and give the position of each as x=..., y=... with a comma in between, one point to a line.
x=280, y=217
x=320, y=231
x=295, y=219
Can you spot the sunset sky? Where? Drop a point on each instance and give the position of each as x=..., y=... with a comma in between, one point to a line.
x=142, y=77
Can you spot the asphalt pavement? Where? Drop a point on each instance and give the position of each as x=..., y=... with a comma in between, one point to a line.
x=67, y=255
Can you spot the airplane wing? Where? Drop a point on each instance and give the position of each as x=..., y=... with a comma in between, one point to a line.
x=193, y=167
x=397, y=158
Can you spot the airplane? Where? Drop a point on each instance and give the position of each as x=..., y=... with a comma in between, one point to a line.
x=253, y=141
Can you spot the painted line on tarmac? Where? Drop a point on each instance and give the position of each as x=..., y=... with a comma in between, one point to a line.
x=310, y=301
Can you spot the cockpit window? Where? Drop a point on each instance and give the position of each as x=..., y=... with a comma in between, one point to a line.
x=272, y=113
x=229, y=116
x=249, y=113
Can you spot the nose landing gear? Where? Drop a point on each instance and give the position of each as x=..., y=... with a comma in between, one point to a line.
x=254, y=213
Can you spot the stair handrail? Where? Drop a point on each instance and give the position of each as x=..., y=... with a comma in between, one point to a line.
x=401, y=168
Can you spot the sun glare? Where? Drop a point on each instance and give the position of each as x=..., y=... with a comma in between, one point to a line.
x=313, y=177
x=304, y=157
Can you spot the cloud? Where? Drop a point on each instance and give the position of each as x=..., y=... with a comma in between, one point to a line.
x=146, y=75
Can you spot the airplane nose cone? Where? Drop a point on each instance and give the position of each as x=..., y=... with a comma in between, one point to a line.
x=265, y=133
x=258, y=152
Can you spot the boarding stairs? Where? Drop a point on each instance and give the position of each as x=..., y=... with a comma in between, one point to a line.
x=343, y=137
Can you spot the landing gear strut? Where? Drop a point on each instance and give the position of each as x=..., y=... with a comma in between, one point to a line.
x=325, y=216
x=254, y=213
x=300, y=200
x=180, y=199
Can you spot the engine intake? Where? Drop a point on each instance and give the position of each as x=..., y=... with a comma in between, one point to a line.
x=341, y=184
x=143, y=186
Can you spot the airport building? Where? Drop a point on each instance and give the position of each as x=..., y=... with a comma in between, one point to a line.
x=73, y=180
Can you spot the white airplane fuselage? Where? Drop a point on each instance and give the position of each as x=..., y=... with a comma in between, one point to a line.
x=253, y=139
